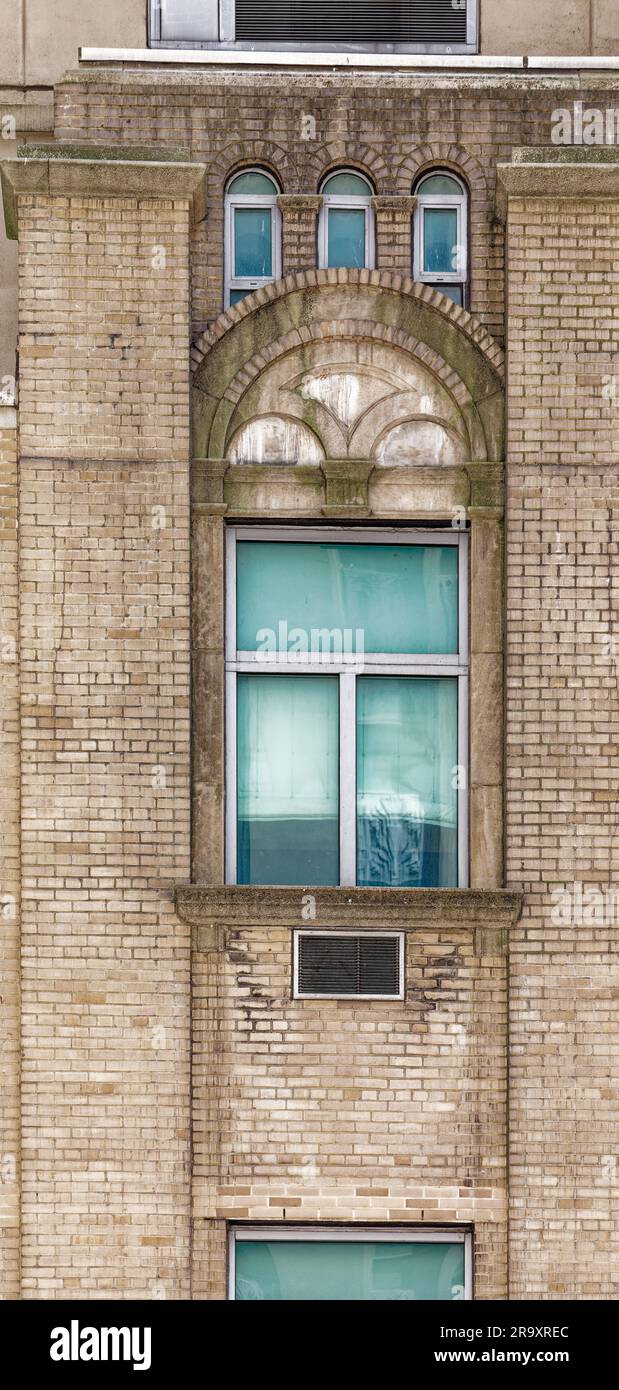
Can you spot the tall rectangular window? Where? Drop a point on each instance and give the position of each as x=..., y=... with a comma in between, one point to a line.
x=347, y=685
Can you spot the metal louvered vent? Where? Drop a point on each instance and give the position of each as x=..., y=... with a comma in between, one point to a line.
x=341, y=965
x=352, y=21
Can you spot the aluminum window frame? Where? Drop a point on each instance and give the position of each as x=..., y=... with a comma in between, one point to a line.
x=247, y=283
x=394, y=1235
x=227, y=36
x=346, y=203
x=446, y=202
x=455, y=665
x=400, y=936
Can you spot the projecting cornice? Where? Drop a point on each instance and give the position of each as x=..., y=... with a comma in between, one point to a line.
x=98, y=171
x=555, y=171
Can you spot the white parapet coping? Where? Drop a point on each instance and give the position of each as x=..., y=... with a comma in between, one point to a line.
x=243, y=57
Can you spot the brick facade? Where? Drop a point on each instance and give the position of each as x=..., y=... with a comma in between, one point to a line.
x=562, y=727
x=170, y=1084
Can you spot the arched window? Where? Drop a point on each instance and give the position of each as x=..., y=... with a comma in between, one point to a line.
x=346, y=227
x=253, y=234
x=440, y=239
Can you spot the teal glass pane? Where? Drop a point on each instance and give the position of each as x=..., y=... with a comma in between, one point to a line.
x=450, y=291
x=363, y=1270
x=440, y=239
x=407, y=804
x=236, y=295
x=347, y=237
x=288, y=779
x=253, y=182
x=253, y=252
x=439, y=185
x=346, y=599
x=347, y=186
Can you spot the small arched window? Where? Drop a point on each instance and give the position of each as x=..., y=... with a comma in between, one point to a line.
x=440, y=254
x=253, y=234
x=346, y=226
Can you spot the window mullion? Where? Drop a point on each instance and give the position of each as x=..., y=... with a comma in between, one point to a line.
x=348, y=780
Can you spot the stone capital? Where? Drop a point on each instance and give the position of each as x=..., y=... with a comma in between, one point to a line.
x=296, y=203
x=387, y=202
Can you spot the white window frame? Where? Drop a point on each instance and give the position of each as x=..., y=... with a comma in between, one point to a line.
x=247, y=283
x=398, y=936
x=373, y=663
x=346, y=203
x=227, y=36
x=441, y=202
x=395, y=1235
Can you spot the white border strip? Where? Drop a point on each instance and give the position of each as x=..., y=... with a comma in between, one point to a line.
x=239, y=57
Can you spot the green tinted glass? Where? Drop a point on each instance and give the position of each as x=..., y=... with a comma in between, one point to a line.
x=288, y=779
x=364, y=1270
x=437, y=185
x=347, y=186
x=440, y=240
x=253, y=243
x=252, y=183
x=407, y=801
x=347, y=238
x=320, y=597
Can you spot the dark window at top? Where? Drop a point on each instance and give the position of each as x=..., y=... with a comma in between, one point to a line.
x=352, y=21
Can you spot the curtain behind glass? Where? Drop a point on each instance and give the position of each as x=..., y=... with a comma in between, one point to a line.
x=347, y=1270
x=440, y=239
x=401, y=598
x=288, y=779
x=347, y=238
x=253, y=243
x=407, y=749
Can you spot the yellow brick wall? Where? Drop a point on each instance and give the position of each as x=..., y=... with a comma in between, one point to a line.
x=104, y=584
x=9, y=863
x=342, y=1111
x=562, y=733
x=103, y=342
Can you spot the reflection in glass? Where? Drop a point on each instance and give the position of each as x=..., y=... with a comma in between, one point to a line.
x=407, y=753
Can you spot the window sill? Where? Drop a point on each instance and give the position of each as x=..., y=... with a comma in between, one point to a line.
x=210, y=908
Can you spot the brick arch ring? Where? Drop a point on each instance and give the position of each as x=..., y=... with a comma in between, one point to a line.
x=376, y=305
x=450, y=156
x=324, y=159
x=234, y=157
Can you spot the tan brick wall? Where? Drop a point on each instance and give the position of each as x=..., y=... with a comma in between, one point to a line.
x=562, y=727
x=9, y=863
x=103, y=328
x=391, y=126
x=342, y=1111
x=104, y=583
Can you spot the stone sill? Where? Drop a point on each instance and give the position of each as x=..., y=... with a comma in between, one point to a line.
x=212, y=907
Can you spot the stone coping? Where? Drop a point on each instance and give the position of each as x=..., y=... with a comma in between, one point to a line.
x=202, y=905
x=550, y=173
x=566, y=154
x=96, y=171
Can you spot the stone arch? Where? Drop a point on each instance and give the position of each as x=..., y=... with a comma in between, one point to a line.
x=446, y=156
x=351, y=154
x=291, y=345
